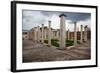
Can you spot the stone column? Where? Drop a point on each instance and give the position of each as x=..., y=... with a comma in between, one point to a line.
x=42, y=34
x=38, y=34
x=71, y=37
x=81, y=39
x=75, y=33
x=62, y=31
x=49, y=33
x=85, y=33
x=52, y=34
x=45, y=33
x=68, y=34
x=35, y=34
x=58, y=34
x=30, y=35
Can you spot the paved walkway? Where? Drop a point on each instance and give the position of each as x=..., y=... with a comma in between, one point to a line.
x=37, y=52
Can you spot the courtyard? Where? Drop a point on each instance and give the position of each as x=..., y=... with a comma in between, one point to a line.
x=44, y=43
x=39, y=52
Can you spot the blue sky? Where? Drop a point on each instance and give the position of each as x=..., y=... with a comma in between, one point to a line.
x=33, y=19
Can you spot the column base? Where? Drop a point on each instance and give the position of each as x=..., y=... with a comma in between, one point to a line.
x=70, y=47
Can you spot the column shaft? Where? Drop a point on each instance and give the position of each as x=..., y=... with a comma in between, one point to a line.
x=42, y=34
x=62, y=32
x=75, y=34
x=38, y=34
x=35, y=34
x=49, y=33
x=81, y=39
x=85, y=33
x=68, y=34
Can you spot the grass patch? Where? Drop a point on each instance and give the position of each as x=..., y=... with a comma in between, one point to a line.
x=54, y=42
x=69, y=43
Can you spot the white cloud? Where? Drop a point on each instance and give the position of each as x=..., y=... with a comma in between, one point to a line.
x=70, y=26
x=36, y=18
x=55, y=22
x=32, y=19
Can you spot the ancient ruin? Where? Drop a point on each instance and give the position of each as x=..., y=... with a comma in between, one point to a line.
x=68, y=42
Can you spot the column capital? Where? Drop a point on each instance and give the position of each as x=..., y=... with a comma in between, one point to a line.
x=42, y=24
x=81, y=25
x=85, y=26
x=49, y=21
x=62, y=31
x=75, y=22
x=62, y=15
x=35, y=28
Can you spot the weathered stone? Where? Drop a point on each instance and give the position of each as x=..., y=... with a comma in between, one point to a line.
x=62, y=31
x=49, y=33
x=81, y=39
x=42, y=34
x=85, y=33
x=75, y=33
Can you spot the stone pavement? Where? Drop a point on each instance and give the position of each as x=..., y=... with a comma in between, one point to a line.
x=38, y=52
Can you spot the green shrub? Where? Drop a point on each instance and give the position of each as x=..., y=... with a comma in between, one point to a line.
x=69, y=43
x=46, y=41
x=54, y=42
